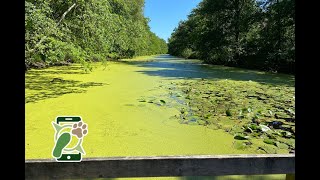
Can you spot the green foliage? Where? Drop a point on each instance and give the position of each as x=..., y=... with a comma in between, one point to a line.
x=244, y=33
x=93, y=30
x=187, y=53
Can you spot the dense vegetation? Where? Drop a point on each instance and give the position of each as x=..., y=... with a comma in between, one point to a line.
x=244, y=33
x=59, y=31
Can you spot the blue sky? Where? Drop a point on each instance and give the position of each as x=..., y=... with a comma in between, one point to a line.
x=166, y=14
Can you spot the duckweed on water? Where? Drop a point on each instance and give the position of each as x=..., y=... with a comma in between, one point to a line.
x=120, y=125
x=114, y=103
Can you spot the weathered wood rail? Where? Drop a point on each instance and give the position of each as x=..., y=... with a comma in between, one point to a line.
x=162, y=166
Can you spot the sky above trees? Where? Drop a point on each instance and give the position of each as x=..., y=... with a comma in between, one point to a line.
x=166, y=14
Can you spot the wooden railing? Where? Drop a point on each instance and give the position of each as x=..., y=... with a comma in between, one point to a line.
x=163, y=166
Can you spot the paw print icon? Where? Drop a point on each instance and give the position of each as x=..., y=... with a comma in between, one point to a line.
x=79, y=129
x=69, y=135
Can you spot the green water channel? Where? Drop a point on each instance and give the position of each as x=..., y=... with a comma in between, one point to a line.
x=129, y=108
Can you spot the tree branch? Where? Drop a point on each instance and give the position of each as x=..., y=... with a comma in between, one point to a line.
x=65, y=13
x=44, y=37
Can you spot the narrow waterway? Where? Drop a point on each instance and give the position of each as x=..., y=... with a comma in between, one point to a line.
x=128, y=107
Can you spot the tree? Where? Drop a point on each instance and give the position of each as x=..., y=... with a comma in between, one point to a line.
x=87, y=30
x=245, y=33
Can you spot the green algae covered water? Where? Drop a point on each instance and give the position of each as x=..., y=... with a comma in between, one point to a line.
x=128, y=109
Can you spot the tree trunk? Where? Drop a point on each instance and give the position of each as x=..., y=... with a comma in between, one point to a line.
x=65, y=13
x=237, y=29
x=279, y=35
x=44, y=37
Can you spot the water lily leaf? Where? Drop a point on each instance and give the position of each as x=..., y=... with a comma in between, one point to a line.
x=291, y=111
x=248, y=129
x=239, y=145
x=228, y=112
x=268, y=149
x=255, y=134
x=182, y=110
x=244, y=109
x=255, y=127
x=202, y=122
x=269, y=141
x=282, y=145
x=236, y=129
x=290, y=142
x=279, y=133
x=270, y=112
x=207, y=116
x=271, y=135
x=241, y=137
x=264, y=128
x=287, y=134
x=240, y=113
x=141, y=100
x=286, y=126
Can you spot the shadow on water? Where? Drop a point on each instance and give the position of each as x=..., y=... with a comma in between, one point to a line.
x=58, y=70
x=172, y=67
x=44, y=84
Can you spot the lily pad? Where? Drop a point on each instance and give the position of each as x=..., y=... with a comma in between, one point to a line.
x=236, y=129
x=269, y=141
x=241, y=137
x=291, y=111
x=202, y=122
x=228, y=112
x=282, y=145
x=271, y=135
x=142, y=100
x=257, y=116
x=264, y=128
x=255, y=127
x=286, y=134
x=255, y=134
x=248, y=129
x=290, y=142
x=268, y=149
x=239, y=145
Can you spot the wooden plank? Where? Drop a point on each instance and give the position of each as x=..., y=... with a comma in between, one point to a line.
x=162, y=166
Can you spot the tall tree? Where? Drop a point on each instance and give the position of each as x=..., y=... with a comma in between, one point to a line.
x=245, y=33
